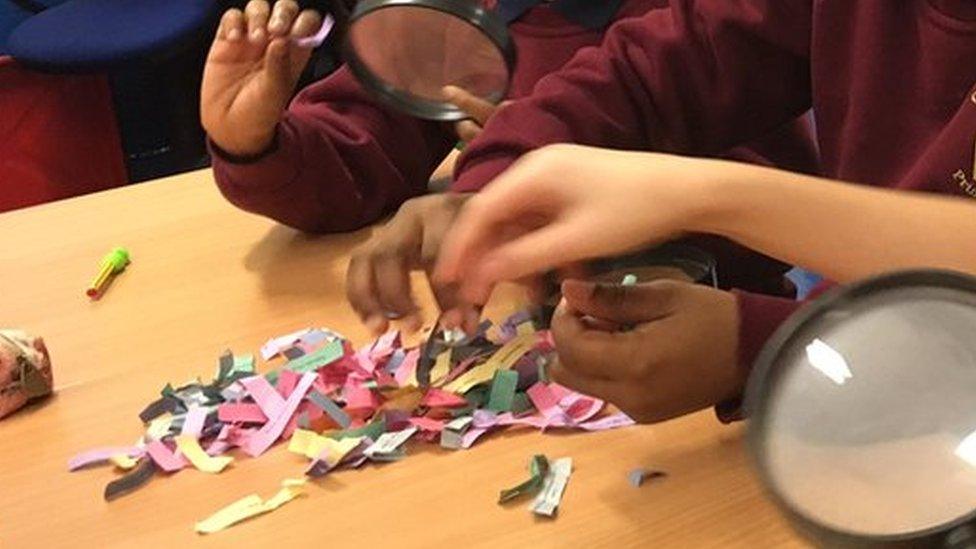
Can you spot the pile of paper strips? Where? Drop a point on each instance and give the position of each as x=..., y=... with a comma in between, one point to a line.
x=340, y=407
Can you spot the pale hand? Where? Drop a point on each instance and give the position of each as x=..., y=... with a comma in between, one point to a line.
x=251, y=72
x=565, y=203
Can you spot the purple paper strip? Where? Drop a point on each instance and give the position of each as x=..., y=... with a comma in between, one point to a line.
x=99, y=455
x=259, y=442
x=193, y=424
x=316, y=40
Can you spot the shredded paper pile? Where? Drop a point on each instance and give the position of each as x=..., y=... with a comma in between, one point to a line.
x=343, y=408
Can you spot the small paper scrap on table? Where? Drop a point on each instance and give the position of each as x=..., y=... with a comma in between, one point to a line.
x=342, y=407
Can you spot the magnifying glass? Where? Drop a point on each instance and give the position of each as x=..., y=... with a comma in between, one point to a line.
x=863, y=413
x=406, y=51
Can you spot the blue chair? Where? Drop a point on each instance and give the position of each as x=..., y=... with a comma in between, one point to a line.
x=15, y=12
x=103, y=35
x=152, y=51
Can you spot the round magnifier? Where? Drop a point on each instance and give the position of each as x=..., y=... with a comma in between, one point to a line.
x=863, y=413
x=669, y=261
x=406, y=51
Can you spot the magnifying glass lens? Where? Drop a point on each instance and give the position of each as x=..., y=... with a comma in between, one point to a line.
x=869, y=422
x=407, y=53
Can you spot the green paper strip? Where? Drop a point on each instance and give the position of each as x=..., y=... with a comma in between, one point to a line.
x=503, y=391
x=372, y=430
x=539, y=468
x=521, y=404
x=244, y=363
x=323, y=357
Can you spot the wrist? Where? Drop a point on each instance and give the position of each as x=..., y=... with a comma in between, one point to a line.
x=246, y=144
x=721, y=198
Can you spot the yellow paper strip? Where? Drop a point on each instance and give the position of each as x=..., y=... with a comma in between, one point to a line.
x=159, y=427
x=525, y=328
x=250, y=506
x=507, y=356
x=123, y=461
x=311, y=445
x=191, y=449
x=442, y=366
x=235, y=512
x=300, y=439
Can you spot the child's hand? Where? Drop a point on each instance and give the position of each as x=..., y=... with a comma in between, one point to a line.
x=564, y=204
x=252, y=71
x=378, y=279
x=477, y=109
x=679, y=357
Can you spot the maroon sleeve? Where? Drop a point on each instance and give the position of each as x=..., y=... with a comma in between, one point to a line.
x=760, y=316
x=340, y=161
x=699, y=78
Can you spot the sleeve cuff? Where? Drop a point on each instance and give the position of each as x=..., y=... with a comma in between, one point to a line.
x=473, y=178
x=759, y=316
x=265, y=172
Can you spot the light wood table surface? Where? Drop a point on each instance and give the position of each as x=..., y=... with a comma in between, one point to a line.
x=205, y=277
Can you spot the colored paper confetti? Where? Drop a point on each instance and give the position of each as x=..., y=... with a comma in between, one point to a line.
x=340, y=408
x=538, y=469
x=547, y=502
x=250, y=506
x=638, y=476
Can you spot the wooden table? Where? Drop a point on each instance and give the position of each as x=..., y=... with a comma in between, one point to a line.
x=206, y=277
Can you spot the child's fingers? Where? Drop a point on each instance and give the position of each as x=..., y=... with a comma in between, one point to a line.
x=361, y=294
x=534, y=252
x=307, y=23
x=232, y=26
x=256, y=13
x=467, y=130
x=478, y=109
x=282, y=15
x=393, y=290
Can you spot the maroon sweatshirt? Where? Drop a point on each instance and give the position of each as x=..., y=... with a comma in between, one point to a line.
x=341, y=161
x=891, y=84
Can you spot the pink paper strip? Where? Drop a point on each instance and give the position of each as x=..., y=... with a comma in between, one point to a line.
x=544, y=400
x=437, y=398
x=164, y=457
x=264, y=395
x=287, y=380
x=359, y=398
x=259, y=442
x=428, y=424
x=99, y=455
x=234, y=412
x=385, y=345
x=581, y=408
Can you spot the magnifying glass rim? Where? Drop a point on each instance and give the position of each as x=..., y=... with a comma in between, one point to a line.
x=767, y=370
x=679, y=255
x=470, y=12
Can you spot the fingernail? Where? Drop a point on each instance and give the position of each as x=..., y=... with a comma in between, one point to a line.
x=450, y=319
x=257, y=34
x=234, y=35
x=471, y=321
x=376, y=324
x=413, y=323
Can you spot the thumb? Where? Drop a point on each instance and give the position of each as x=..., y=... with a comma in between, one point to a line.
x=478, y=109
x=618, y=303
